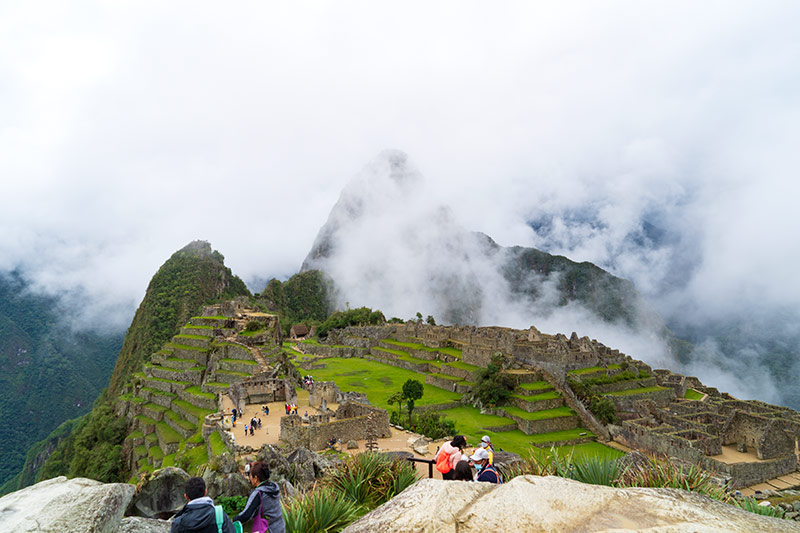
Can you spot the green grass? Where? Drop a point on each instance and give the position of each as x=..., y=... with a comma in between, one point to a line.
x=464, y=366
x=137, y=434
x=150, y=438
x=191, y=326
x=146, y=420
x=217, y=445
x=217, y=317
x=536, y=385
x=199, y=412
x=169, y=460
x=252, y=333
x=196, y=457
x=217, y=385
x=178, y=419
x=197, y=391
x=630, y=392
x=581, y=451
x=447, y=376
x=550, y=395
x=692, y=394
x=399, y=353
x=242, y=361
x=190, y=336
x=155, y=452
x=141, y=451
x=419, y=346
x=378, y=380
x=155, y=407
x=539, y=415
x=233, y=373
x=175, y=346
x=166, y=433
x=159, y=392
x=164, y=380
x=561, y=435
x=418, y=361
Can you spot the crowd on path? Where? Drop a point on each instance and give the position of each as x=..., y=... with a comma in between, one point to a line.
x=456, y=465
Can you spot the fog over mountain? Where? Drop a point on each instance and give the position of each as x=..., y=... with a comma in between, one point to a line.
x=656, y=141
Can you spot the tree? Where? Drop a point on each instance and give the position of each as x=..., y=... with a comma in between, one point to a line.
x=412, y=391
x=419, y=317
x=397, y=398
x=430, y=320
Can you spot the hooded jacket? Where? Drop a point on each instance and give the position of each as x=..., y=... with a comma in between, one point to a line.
x=453, y=453
x=198, y=516
x=269, y=493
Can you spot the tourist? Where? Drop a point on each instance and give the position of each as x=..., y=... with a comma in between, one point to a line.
x=247, y=470
x=486, y=471
x=486, y=442
x=448, y=455
x=266, y=410
x=251, y=430
x=259, y=423
x=233, y=410
x=199, y=515
x=266, y=498
x=245, y=430
x=462, y=471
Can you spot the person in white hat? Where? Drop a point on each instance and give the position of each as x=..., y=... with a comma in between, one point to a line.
x=486, y=471
x=486, y=442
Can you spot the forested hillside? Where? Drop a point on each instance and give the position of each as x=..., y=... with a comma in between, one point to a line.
x=48, y=373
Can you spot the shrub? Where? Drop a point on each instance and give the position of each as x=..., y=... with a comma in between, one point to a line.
x=751, y=505
x=604, y=409
x=232, y=505
x=370, y=479
x=253, y=325
x=494, y=387
x=433, y=425
x=320, y=510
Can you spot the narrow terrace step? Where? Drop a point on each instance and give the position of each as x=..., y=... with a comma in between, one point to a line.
x=569, y=437
x=560, y=419
x=184, y=351
x=539, y=402
x=629, y=384
x=135, y=437
x=160, y=397
x=227, y=376
x=168, y=439
x=220, y=322
x=213, y=387
x=144, y=423
x=231, y=350
x=206, y=331
x=166, y=385
x=463, y=370
x=178, y=363
x=197, y=397
x=155, y=456
x=196, y=341
x=154, y=411
x=624, y=400
x=190, y=412
x=443, y=381
x=533, y=388
x=593, y=371
x=182, y=426
x=238, y=365
x=161, y=355
x=193, y=375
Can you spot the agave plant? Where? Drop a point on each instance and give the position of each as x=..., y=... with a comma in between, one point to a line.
x=750, y=504
x=596, y=471
x=370, y=479
x=320, y=510
x=665, y=473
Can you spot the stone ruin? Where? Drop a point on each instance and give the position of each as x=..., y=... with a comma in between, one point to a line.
x=260, y=388
x=351, y=421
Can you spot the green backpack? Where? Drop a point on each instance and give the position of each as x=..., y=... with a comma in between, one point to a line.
x=220, y=520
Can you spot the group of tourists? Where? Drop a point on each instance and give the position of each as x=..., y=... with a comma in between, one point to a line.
x=309, y=382
x=291, y=408
x=456, y=465
x=263, y=506
x=255, y=423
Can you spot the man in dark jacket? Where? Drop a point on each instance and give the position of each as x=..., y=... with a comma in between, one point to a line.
x=199, y=516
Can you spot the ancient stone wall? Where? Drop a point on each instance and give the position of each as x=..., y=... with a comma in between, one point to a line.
x=315, y=436
x=323, y=390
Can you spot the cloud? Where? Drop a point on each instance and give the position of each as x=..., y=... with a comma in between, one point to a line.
x=656, y=141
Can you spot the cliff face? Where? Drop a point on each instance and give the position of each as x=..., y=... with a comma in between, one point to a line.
x=193, y=275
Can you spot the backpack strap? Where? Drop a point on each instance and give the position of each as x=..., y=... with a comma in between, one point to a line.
x=219, y=516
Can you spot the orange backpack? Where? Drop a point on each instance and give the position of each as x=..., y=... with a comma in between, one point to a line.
x=443, y=462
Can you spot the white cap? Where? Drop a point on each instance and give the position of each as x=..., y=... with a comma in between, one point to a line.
x=479, y=455
x=486, y=438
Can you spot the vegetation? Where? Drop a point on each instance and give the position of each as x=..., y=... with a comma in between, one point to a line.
x=321, y=510
x=305, y=297
x=412, y=391
x=494, y=387
x=362, y=316
x=232, y=505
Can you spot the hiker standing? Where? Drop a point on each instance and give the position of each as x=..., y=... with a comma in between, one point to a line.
x=486, y=471
x=264, y=503
x=448, y=456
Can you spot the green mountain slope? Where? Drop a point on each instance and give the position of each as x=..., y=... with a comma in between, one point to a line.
x=48, y=373
x=91, y=446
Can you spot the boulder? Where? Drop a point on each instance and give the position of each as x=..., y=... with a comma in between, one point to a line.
x=422, y=450
x=352, y=445
x=539, y=504
x=160, y=494
x=223, y=478
x=507, y=460
x=67, y=506
x=137, y=524
x=308, y=466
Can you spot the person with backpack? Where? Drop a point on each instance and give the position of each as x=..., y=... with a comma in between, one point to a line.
x=264, y=503
x=486, y=471
x=200, y=515
x=448, y=456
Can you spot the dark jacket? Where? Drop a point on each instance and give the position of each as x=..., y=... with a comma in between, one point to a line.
x=198, y=516
x=488, y=473
x=270, y=494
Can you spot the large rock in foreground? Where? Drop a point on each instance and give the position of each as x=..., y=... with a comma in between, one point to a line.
x=538, y=504
x=66, y=506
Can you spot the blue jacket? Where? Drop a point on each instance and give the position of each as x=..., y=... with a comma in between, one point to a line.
x=198, y=516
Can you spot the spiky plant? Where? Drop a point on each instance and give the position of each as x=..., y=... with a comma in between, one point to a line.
x=321, y=510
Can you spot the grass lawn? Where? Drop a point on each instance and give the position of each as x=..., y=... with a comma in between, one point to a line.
x=536, y=385
x=592, y=370
x=550, y=395
x=539, y=415
x=418, y=346
x=692, y=394
x=580, y=451
x=636, y=391
x=377, y=380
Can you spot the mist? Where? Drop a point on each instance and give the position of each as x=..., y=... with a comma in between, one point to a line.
x=654, y=141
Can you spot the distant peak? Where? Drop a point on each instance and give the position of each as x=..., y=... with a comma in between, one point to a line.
x=394, y=164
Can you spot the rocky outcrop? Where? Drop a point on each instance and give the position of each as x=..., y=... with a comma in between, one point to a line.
x=222, y=478
x=66, y=506
x=137, y=524
x=533, y=504
x=160, y=495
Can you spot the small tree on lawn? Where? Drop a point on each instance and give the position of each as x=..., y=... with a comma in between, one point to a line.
x=412, y=391
x=397, y=398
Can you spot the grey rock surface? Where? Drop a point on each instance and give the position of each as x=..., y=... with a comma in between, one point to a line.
x=65, y=506
x=160, y=495
x=137, y=524
x=546, y=504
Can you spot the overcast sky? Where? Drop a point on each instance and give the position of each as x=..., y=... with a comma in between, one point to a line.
x=128, y=129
